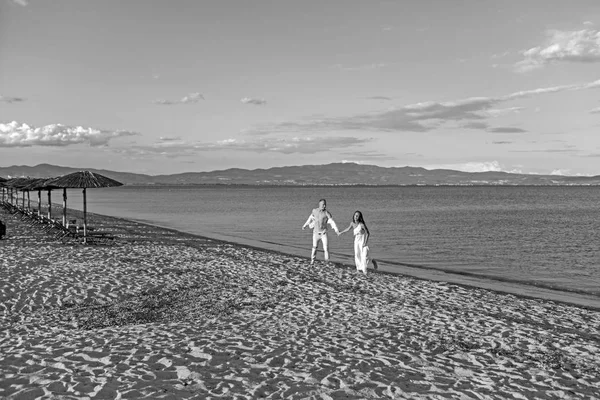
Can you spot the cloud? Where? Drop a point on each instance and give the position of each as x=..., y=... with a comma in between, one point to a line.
x=255, y=101
x=563, y=150
x=595, y=110
x=14, y=134
x=369, y=154
x=475, y=125
x=502, y=142
x=502, y=111
x=23, y=3
x=569, y=46
x=474, y=166
x=169, y=138
x=379, y=98
x=8, y=99
x=506, y=129
x=304, y=145
x=362, y=67
x=500, y=55
x=560, y=172
x=470, y=113
x=189, y=99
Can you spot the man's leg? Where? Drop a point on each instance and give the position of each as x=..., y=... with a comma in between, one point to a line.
x=313, y=253
x=325, y=242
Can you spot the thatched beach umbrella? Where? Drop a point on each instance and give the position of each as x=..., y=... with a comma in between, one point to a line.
x=17, y=184
x=9, y=190
x=82, y=180
x=24, y=187
x=2, y=181
x=39, y=184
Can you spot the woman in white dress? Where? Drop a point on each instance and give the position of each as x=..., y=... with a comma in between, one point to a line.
x=361, y=239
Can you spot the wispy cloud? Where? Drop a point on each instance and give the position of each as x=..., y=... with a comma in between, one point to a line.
x=502, y=142
x=169, y=138
x=9, y=99
x=475, y=166
x=595, y=110
x=563, y=150
x=294, y=145
x=368, y=154
x=500, y=55
x=426, y=116
x=306, y=145
x=502, y=111
x=23, y=3
x=254, y=100
x=14, y=134
x=189, y=99
x=379, y=98
x=506, y=129
x=475, y=125
x=361, y=67
x=566, y=172
x=569, y=46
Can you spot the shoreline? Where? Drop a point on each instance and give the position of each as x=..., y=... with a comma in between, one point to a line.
x=466, y=279
x=420, y=272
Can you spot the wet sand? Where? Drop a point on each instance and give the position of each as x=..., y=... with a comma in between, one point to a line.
x=162, y=314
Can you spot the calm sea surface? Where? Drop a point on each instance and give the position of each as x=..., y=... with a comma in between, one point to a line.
x=545, y=236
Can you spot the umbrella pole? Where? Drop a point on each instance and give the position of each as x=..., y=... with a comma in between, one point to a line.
x=49, y=205
x=84, y=217
x=28, y=201
x=64, y=206
x=39, y=203
x=23, y=200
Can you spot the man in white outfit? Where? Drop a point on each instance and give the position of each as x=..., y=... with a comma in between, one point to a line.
x=318, y=220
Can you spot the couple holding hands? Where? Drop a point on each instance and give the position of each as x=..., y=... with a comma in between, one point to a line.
x=318, y=220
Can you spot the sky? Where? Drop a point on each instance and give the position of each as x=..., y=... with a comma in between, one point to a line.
x=170, y=86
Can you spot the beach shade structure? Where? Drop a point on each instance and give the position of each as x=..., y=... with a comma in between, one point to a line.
x=23, y=186
x=2, y=181
x=16, y=184
x=39, y=184
x=82, y=180
x=28, y=190
x=9, y=190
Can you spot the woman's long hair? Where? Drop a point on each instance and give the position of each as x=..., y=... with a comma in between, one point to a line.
x=360, y=219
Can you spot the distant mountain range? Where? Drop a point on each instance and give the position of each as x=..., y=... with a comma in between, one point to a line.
x=329, y=174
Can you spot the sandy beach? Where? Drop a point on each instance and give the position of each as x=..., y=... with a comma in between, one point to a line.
x=162, y=314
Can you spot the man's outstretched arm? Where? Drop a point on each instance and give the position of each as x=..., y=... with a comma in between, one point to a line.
x=331, y=222
x=308, y=221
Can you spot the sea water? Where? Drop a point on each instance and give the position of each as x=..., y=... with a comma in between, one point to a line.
x=545, y=236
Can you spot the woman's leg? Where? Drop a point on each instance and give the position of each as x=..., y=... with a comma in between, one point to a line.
x=357, y=254
x=365, y=258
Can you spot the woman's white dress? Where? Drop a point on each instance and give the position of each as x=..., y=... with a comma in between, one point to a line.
x=361, y=258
